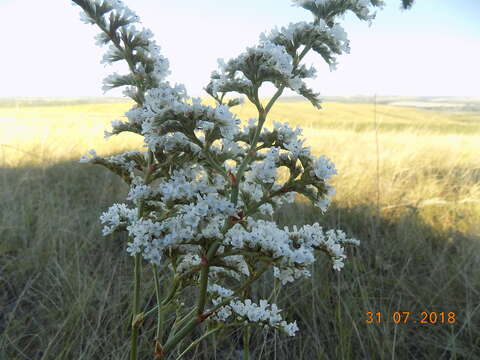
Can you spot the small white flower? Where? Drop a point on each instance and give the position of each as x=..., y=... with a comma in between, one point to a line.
x=266, y=209
x=116, y=216
x=295, y=83
x=323, y=168
x=85, y=18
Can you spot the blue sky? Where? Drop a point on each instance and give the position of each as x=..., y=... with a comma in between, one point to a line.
x=432, y=49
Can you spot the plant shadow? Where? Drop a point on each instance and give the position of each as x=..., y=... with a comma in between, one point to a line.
x=66, y=289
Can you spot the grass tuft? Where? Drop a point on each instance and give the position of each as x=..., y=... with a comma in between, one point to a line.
x=65, y=290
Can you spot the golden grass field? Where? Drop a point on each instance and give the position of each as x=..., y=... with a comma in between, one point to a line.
x=426, y=160
x=408, y=188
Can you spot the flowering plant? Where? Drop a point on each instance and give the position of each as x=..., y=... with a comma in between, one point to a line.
x=196, y=190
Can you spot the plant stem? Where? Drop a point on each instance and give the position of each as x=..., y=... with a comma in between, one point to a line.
x=202, y=297
x=195, y=343
x=194, y=321
x=246, y=343
x=159, y=332
x=179, y=322
x=137, y=279
x=135, y=307
x=166, y=301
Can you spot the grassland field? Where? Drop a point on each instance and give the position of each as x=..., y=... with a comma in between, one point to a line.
x=408, y=187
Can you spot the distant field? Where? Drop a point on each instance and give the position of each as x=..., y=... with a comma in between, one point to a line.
x=408, y=187
x=426, y=158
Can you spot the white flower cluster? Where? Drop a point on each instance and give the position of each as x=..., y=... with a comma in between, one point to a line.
x=330, y=240
x=287, y=198
x=324, y=202
x=262, y=235
x=200, y=213
x=170, y=142
x=186, y=183
x=116, y=216
x=231, y=147
x=292, y=250
x=263, y=313
x=266, y=209
x=151, y=51
x=365, y=8
x=110, y=79
x=122, y=9
x=206, y=117
x=271, y=58
x=252, y=189
x=160, y=63
x=224, y=80
x=156, y=100
x=139, y=191
x=117, y=5
x=147, y=48
x=323, y=168
x=188, y=262
x=203, y=218
x=148, y=240
x=362, y=8
x=185, y=202
x=289, y=274
x=121, y=164
x=301, y=31
x=207, y=206
x=278, y=58
x=266, y=170
x=290, y=139
x=155, y=236
x=228, y=123
x=220, y=291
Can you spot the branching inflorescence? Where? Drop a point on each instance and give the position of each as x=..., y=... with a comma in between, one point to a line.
x=195, y=192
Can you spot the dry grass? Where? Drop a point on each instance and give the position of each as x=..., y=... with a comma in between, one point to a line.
x=65, y=291
x=430, y=170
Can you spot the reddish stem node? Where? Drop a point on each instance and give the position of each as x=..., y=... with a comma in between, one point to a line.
x=159, y=353
x=238, y=217
x=232, y=177
x=202, y=317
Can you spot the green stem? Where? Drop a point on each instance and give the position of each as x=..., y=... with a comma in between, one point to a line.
x=246, y=343
x=202, y=298
x=194, y=321
x=159, y=333
x=137, y=279
x=171, y=343
x=196, y=342
x=135, y=307
x=168, y=299
x=179, y=322
x=273, y=99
